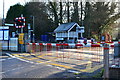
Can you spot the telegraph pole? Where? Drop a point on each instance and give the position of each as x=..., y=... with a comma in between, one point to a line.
x=3, y=14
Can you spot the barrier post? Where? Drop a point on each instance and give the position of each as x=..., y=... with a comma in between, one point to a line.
x=106, y=61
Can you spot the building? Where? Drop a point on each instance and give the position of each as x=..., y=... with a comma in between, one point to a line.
x=68, y=31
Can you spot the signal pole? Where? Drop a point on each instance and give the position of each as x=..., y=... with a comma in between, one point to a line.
x=22, y=27
x=22, y=45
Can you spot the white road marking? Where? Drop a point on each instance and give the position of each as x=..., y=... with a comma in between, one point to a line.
x=20, y=59
x=14, y=69
x=10, y=55
x=60, y=68
x=9, y=58
x=50, y=65
x=2, y=72
x=73, y=71
x=2, y=59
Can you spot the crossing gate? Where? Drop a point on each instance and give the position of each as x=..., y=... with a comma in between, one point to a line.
x=82, y=57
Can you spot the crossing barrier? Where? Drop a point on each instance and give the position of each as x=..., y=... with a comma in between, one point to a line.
x=38, y=47
x=66, y=45
x=89, y=54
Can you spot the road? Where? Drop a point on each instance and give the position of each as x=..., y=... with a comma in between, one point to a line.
x=15, y=68
x=50, y=64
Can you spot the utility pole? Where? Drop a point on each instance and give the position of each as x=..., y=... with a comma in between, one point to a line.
x=3, y=14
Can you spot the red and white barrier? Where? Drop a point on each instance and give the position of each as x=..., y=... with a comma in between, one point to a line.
x=111, y=44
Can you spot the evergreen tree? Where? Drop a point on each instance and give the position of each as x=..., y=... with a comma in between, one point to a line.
x=14, y=11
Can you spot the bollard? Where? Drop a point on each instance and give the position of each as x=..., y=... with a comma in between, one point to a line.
x=116, y=50
x=106, y=61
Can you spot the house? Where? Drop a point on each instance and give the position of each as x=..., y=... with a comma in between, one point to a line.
x=68, y=31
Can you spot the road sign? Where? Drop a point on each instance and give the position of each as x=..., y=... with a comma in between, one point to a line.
x=19, y=22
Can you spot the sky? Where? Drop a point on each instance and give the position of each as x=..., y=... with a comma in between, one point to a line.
x=7, y=4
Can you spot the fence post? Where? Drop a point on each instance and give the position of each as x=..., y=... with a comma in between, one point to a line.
x=106, y=61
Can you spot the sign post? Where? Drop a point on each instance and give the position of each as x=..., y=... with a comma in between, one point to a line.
x=20, y=23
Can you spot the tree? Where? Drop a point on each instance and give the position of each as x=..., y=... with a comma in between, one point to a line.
x=14, y=11
x=39, y=10
x=54, y=10
x=75, y=15
x=88, y=18
x=61, y=12
x=68, y=12
x=42, y=22
x=96, y=15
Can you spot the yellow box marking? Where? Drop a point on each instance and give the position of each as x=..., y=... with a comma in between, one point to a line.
x=15, y=54
x=60, y=65
x=31, y=58
x=40, y=61
x=25, y=54
x=21, y=57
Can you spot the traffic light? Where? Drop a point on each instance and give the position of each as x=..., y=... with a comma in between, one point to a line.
x=20, y=22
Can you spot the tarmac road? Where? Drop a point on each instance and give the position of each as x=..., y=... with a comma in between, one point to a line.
x=15, y=68
x=24, y=65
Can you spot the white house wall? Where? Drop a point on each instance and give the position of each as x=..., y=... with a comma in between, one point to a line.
x=73, y=34
x=64, y=34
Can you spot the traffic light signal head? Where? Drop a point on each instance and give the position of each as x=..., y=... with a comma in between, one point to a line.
x=20, y=22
